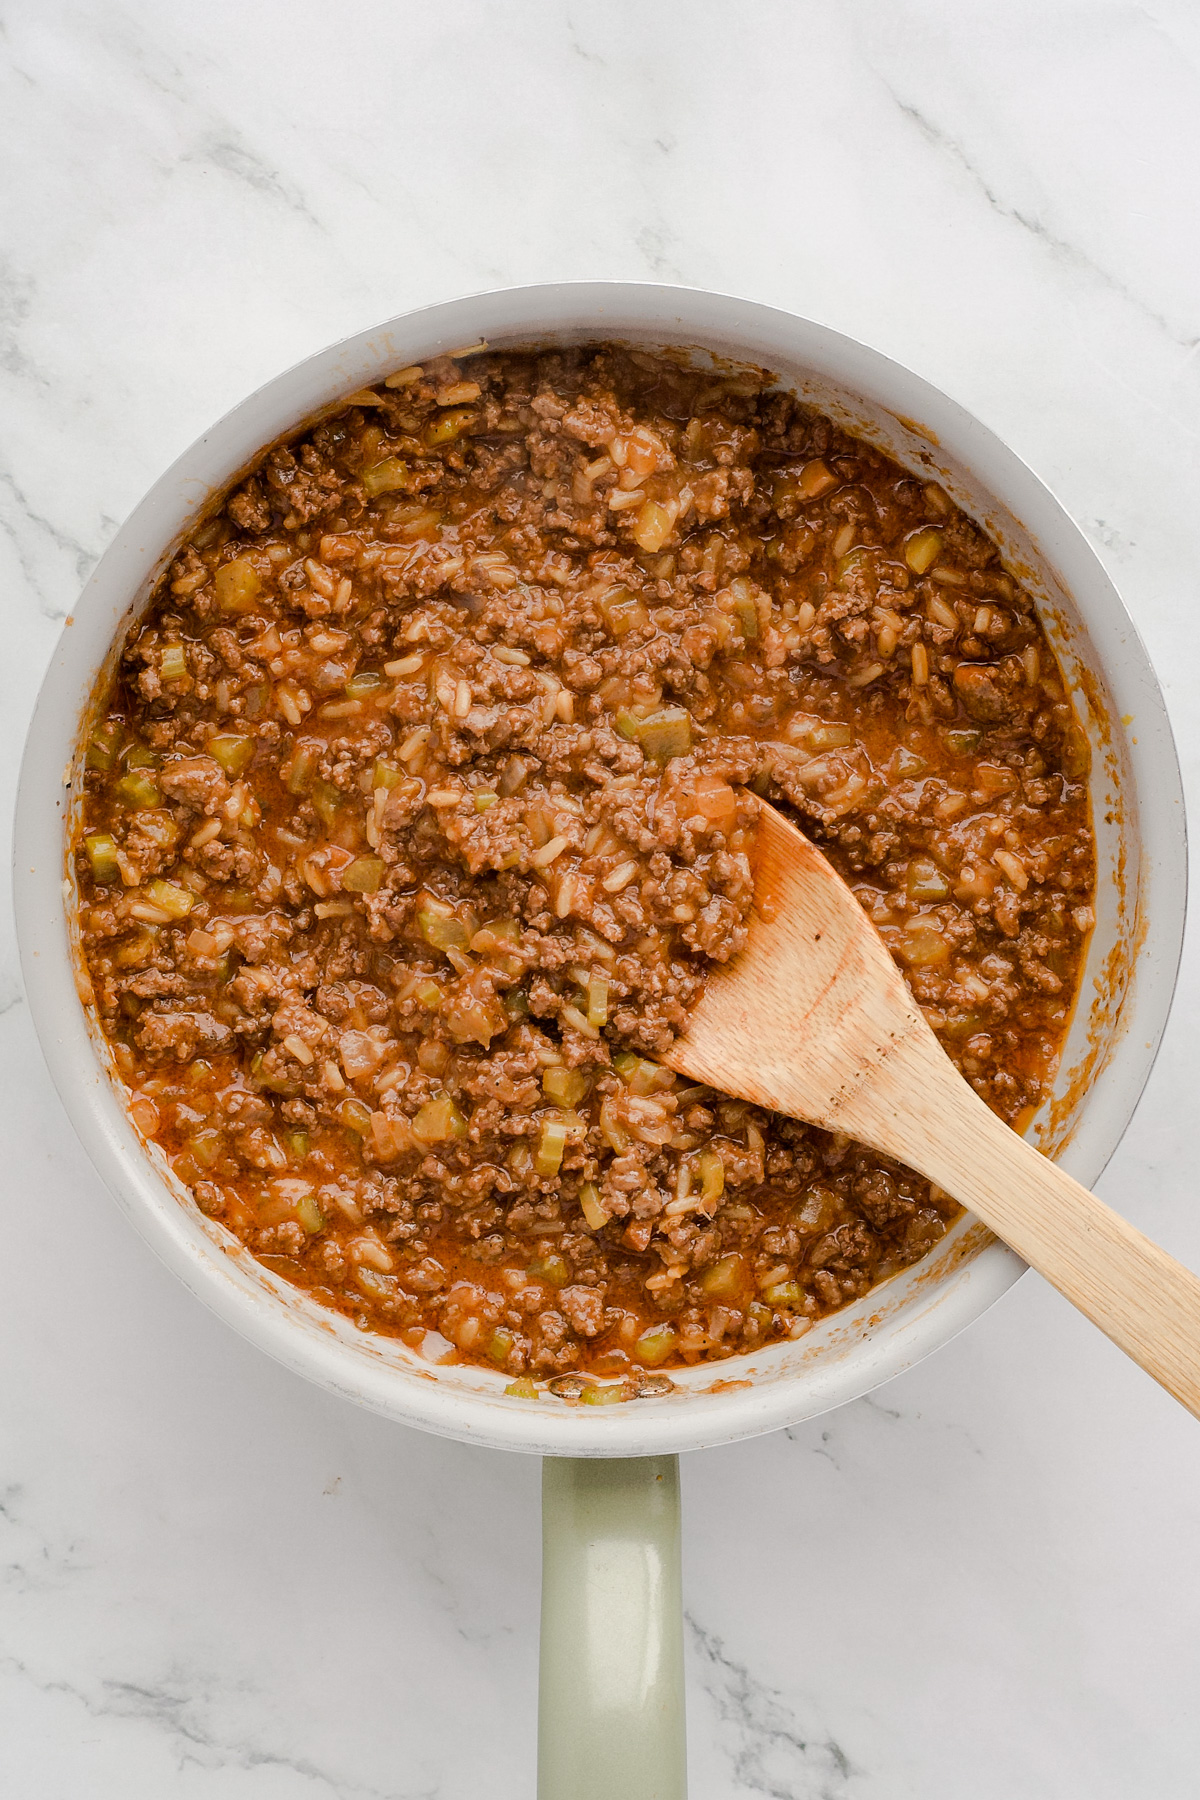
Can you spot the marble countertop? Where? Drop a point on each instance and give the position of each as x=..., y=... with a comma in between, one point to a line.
x=221, y=1584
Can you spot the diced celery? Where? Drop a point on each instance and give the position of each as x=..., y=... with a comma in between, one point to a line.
x=857, y=561
x=237, y=585
x=507, y=930
x=206, y=1147
x=747, y=615
x=554, y=1270
x=591, y=1207
x=365, y=683
x=386, y=775
x=386, y=477
x=566, y=1087
x=442, y=931
x=785, y=1293
x=355, y=1116
x=552, y=1142
x=308, y=1213
x=364, y=875
x=816, y=1212
x=712, y=1176
x=438, y=1120
x=428, y=994
x=828, y=737
x=449, y=426
x=491, y=940
x=280, y=1083
x=297, y=1143
x=105, y=746
x=925, y=880
x=484, y=798
x=516, y=1003
x=134, y=953
x=500, y=1345
x=640, y=1075
x=102, y=855
x=523, y=1388
x=627, y=723
x=961, y=741
x=375, y=1284
x=600, y=1393
x=622, y=611
x=597, y=1001
x=665, y=733
x=326, y=800
x=724, y=1277
x=138, y=791
x=614, y=1133
x=655, y=1344
x=300, y=769
x=172, y=662
x=961, y=1025
x=907, y=763
x=177, y=901
x=233, y=751
x=922, y=550
x=413, y=522
x=924, y=947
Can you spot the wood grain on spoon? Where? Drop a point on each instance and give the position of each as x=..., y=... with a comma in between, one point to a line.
x=813, y=1018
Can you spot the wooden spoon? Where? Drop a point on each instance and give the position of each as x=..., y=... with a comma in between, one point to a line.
x=813, y=1018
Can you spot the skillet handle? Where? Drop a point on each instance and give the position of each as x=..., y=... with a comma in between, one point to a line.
x=610, y=1692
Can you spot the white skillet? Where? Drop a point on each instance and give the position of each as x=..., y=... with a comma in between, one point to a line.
x=611, y=1718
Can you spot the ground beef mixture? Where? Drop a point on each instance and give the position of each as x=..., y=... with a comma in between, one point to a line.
x=425, y=796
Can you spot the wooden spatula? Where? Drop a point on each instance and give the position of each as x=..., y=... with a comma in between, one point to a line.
x=812, y=1018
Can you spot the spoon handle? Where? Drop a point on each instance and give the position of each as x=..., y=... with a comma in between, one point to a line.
x=1145, y=1301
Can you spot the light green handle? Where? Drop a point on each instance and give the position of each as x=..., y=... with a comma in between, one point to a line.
x=610, y=1695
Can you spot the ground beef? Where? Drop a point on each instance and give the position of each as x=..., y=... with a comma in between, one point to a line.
x=425, y=797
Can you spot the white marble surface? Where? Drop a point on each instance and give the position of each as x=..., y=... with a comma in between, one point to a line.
x=217, y=1583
